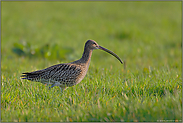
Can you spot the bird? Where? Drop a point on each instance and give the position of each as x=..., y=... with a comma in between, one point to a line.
x=67, y=74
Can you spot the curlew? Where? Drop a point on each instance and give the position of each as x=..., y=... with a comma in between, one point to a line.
x=67, y=74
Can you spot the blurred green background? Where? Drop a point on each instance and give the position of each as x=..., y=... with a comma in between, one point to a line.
x=146, y=35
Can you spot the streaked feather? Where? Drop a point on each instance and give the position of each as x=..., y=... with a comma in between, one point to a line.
x=62, y=73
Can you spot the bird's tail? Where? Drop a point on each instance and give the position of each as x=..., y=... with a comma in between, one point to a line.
x=30, y=76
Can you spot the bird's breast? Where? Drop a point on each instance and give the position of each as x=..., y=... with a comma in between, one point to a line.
x=84, y=69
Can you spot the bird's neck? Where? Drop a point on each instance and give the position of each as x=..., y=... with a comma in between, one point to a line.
x=86, y=57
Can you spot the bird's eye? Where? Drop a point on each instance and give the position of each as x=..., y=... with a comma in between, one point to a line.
x=94, y=43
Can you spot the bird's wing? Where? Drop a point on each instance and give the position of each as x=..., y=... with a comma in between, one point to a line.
x=57, y=73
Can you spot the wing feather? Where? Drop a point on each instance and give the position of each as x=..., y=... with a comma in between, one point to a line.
x=63, y=73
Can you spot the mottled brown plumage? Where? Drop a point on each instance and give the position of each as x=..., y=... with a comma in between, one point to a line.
x=67, y=74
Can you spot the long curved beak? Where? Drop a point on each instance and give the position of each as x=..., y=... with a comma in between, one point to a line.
x=102, y=48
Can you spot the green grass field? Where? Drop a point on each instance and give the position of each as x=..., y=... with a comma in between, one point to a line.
x=146, y=35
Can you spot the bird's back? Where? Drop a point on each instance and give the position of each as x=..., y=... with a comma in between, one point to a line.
x=65, y=74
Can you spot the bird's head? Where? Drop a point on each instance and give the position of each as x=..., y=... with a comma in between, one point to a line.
x=91, y=44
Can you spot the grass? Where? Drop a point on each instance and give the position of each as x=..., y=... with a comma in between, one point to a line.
x=146, y=35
